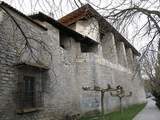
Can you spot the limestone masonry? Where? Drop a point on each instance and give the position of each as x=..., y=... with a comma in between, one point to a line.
x=44, y=64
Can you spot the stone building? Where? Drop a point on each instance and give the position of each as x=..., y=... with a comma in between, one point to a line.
x=44, y=64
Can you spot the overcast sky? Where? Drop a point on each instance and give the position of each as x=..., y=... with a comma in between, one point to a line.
x=62, y=7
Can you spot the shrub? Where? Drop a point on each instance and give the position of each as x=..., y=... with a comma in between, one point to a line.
x=156, y=94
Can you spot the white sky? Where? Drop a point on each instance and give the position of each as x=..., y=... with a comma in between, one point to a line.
x=32, y=6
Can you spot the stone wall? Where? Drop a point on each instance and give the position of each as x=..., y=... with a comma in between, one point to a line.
x=69, y=71
x=58, y=93
x=95, y=70
x=88, y=28
x=109, y=51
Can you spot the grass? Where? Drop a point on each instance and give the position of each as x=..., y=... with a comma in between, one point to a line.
x=128, y=114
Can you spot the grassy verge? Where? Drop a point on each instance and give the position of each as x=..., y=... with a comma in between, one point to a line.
x=128, y=114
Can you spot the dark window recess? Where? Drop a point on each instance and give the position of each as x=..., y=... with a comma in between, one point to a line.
x=29, y=92
x=29, y=97
x=65, y=42
x=101, y=36
x=89, y=47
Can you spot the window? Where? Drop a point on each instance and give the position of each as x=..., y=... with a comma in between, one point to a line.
x=65, y=42
x=30, y=87
x=89, y=47
x=29, y=92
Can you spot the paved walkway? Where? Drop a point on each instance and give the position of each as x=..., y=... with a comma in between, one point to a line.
x=150, y=112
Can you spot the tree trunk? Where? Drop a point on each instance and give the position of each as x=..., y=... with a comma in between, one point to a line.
x=102, y=102
x=121, y=108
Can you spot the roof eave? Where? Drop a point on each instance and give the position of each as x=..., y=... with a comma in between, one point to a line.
x=42, y=17
x=3, y=4
x=27, y=64
x=94, y=13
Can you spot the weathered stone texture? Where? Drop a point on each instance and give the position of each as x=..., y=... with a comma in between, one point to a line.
x=109, y=47
x=69, y=71
x=129, y=58
x=88, y=28
x=122, y=58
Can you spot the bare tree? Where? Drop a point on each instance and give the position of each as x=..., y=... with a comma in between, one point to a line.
x=141, y=17
x=27, y=40
x=121, y=93
x=102, y=92
x=137, y=18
